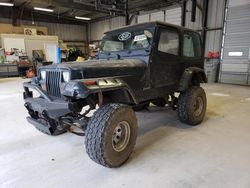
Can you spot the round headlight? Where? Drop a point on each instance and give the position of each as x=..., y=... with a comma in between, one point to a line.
x=66, y=76
x=43, y=75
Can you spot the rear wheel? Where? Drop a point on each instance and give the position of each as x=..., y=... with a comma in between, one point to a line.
x=111, y=135
x=192, y=105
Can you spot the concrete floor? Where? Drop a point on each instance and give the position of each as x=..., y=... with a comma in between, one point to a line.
x=215, y=154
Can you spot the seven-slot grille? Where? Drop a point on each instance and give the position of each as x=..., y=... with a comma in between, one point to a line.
x=53, y=80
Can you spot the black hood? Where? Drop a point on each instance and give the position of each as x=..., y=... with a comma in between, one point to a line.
x=105, y=68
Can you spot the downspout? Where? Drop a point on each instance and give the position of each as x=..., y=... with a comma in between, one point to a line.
x=126, y=13
x=183, y=14
x=193, y=12
x=204, y=22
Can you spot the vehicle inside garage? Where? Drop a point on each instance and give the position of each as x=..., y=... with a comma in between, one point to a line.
x=125, y=93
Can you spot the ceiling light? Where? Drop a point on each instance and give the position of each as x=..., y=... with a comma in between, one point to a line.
x=82, y=18
x=44, y=9
x=7, y=4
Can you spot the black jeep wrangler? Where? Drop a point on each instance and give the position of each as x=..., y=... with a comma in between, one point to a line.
x=146, y=63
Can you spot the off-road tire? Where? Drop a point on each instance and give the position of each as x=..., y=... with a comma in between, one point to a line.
x=99, y=134
x=187, y=104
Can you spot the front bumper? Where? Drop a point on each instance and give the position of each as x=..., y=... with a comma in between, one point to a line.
x=52, y=108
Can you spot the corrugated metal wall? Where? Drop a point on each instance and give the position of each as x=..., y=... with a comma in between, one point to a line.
x=65, y=32
x=117, y=22
x=198, y=21
x=157, y=16
x=215, y=20
x=171, y=15
x=98, y=28
x=143, y=18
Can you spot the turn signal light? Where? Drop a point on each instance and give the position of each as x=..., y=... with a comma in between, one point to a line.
x=90, y=82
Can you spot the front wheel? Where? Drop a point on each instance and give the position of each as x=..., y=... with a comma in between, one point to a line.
x=111, y=135
x=192, y=106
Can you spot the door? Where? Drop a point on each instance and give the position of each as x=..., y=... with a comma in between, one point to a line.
x=235, y=64
x=165, y=67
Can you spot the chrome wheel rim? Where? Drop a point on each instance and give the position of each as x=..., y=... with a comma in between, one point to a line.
x=198, y=106
x=121, y=136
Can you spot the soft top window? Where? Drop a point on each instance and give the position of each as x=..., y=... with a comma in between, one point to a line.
x=191, y=45
x=169, y=42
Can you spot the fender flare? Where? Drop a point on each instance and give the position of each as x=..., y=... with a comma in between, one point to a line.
x=77, y=89
x=188, y=75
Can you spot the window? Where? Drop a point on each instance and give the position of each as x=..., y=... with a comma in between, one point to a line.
x=127, y=40
x=169, y=42
x=191, y=45
x=235, y=53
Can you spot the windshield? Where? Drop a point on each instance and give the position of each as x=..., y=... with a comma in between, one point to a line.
x=127, y=40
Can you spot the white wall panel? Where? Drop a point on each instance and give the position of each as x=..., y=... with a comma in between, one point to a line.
x=98, y=28
x=173, y=16
x=117, y=22
x=67, y=32
x=198, y=21
x=238, y=3
x=157, y=16
x=143, y=18
x=215, y=20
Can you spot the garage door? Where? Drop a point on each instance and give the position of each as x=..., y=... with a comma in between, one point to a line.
x=172, y=16
x=235, y=66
